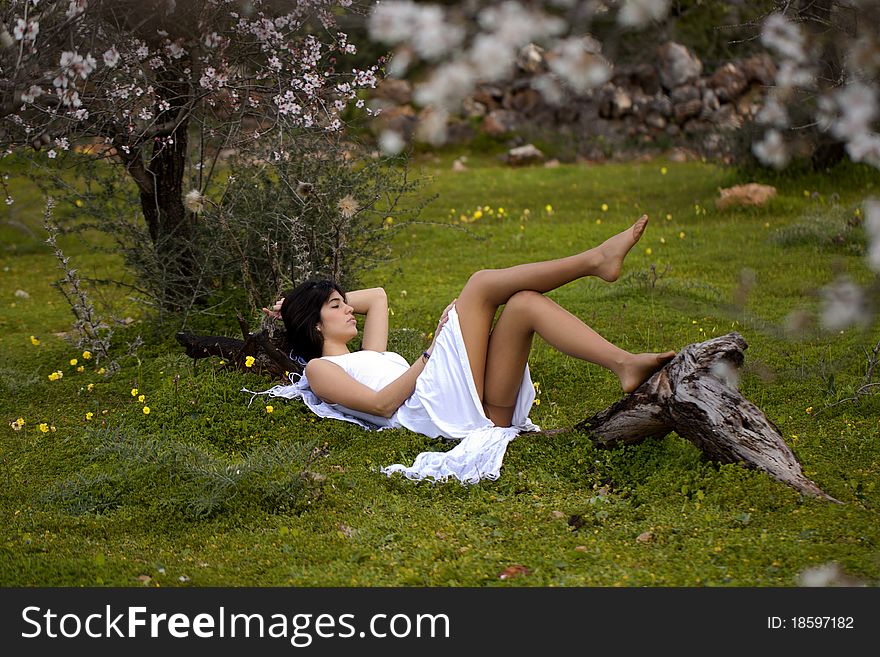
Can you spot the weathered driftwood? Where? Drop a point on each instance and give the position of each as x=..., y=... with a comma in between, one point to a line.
x=695, y=395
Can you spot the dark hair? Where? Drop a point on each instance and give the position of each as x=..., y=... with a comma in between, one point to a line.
x=301, y=312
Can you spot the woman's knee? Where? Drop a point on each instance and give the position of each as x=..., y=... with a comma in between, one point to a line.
x=523, y=301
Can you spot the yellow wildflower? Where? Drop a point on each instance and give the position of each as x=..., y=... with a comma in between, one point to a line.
x=81, y=369
x=87, y=355
x=537, y=402
x=44, y=427
x=809, y=409
x=90, y=387
x=54, y=376
x=478, y=214
x=249, y=361
x=668, y=217
x=604, y=207
x=89, y=415
x=598, y=221
x=681, y=235
x=663, y=171
x=73, y=361
x=141, y=398
x=134, y=392
x=146, y=410
x=662, y=240
x=648, y=251
x=102, y=371
x=548, y=209
x=78, y=203
x=17, y=424
x=389, y=220
x=35, y=341
x=269, y=409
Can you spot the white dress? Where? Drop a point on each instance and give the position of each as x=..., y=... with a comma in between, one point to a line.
x=444, y=404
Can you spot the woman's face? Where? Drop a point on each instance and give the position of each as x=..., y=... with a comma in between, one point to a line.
x=338, y=322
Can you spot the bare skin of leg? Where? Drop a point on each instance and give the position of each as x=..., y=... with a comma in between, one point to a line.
x=497, y=357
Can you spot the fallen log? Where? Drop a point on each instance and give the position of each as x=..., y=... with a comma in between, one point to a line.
x=266, y=346
x=696, y=396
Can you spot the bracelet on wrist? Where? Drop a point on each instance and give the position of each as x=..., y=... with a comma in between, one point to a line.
x=425, y=356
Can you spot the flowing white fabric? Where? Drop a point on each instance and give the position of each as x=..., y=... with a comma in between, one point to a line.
x=444, y=404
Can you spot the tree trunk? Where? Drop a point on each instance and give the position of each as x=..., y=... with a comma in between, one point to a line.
x=695, y=396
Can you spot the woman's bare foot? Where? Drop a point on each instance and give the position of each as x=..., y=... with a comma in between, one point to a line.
x=614, y=250
x=640, y=367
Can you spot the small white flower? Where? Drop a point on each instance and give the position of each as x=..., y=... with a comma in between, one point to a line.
x=111, y=57
x=52, y=154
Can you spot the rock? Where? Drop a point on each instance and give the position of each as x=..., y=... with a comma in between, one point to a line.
x=641, y=77
x=401, y=119
x=726, y=118
x=489, y=95
x=759, y=69
x=473, y=109
x=677, y=65
x=655, y=120
x=523, y=155
x=21, y=294
x=394, y=91
x=645, y=537
x=711, y=103
x=500, y=122
x=530, y=58
x=750, y=194
x=551, y=164
x=683, y=111
x=522, y=100
x=458, y=164
x=728, y=83
x=684, y=94
x=662, y=104
x=614, y=102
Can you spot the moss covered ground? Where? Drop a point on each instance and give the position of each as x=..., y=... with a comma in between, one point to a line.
x=206, y=490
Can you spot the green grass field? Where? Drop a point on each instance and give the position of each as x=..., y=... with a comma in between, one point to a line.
x=205, y=490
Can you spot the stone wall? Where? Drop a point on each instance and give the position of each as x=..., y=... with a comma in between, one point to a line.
x=671, y=101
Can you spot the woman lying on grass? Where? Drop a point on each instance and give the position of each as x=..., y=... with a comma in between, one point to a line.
x=472, y=383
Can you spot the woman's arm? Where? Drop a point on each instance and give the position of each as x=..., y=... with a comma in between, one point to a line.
x=373, y=304
x=333, y=384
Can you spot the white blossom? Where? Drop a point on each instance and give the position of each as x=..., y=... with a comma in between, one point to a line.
x=76, y=7
x=638, y=13
x=517, y=26
x=771, y=150
x=51, y=154
x=111, y=57
x=391, y=142
x=858, y=109
x=872, y=228
x=783, y=36
x=33, y=92
x=26, y=31
x=843, y=305
x=573, y=61
x=447, y=86
x=491, y=57
x=773, y=113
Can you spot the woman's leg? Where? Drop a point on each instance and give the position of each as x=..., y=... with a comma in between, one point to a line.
x=488, y=289
x=527, y=313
